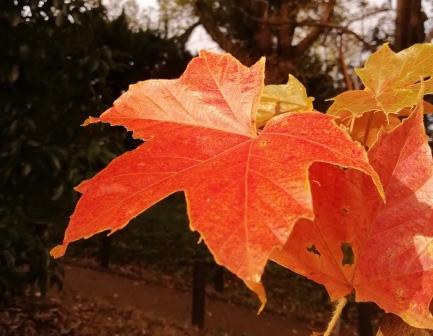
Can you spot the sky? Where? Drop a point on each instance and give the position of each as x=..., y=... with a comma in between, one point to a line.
x=150, y=3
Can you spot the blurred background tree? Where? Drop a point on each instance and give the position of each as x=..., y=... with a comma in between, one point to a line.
x=60, y=61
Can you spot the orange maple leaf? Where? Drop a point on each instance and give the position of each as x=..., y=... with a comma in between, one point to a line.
x=383, y=252
x=244, y=190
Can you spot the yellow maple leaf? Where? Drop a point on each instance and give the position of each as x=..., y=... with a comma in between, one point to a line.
x=278, y=99
x=392, y=81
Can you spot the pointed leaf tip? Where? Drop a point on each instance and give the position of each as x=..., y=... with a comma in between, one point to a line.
x=90, y=120
x=58, y=251
x=259, y=290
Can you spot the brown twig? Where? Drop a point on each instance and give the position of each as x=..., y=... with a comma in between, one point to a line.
x=367, y=129
x=312, y=36
x=341, y=29
x=306, y=42
x=324, y=23
x=209, y=22
x=348, y=81
x=184, y=37
x=366, y=15
x=341, y=303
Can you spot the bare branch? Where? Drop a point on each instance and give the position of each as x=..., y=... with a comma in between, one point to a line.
x=341, y=29
x=367, y=15
x=347, y=79
x=323, y=25
x=302, y=46
x=207, y=19
x=184, y=37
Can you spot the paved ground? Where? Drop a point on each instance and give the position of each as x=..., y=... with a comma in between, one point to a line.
x=176, y=305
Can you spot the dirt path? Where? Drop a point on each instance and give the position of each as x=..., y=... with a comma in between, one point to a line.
x=176, y=305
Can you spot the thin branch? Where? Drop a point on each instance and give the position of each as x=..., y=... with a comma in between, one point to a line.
x=308, y=40
x=341, y=29
x=335, y=316
x=184, y=37
x=278, y=21
x=366, y=15
x=207, y=19
x=347, y=79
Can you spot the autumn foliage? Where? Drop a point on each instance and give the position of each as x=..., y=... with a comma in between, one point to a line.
x=344, y=198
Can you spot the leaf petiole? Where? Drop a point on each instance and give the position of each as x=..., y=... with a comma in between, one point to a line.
x=341, y=303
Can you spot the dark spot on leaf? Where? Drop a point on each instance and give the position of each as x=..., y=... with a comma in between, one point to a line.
x=313, y=249
x=348, y=256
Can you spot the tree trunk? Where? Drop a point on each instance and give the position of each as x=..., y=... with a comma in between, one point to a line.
x=409, y=24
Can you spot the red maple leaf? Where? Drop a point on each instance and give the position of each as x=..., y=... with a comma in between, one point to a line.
x=244, y=189
x=382, y=251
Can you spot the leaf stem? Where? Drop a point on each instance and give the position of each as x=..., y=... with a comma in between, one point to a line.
x=335, y=316
x=367, y=129
x=352, y=124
